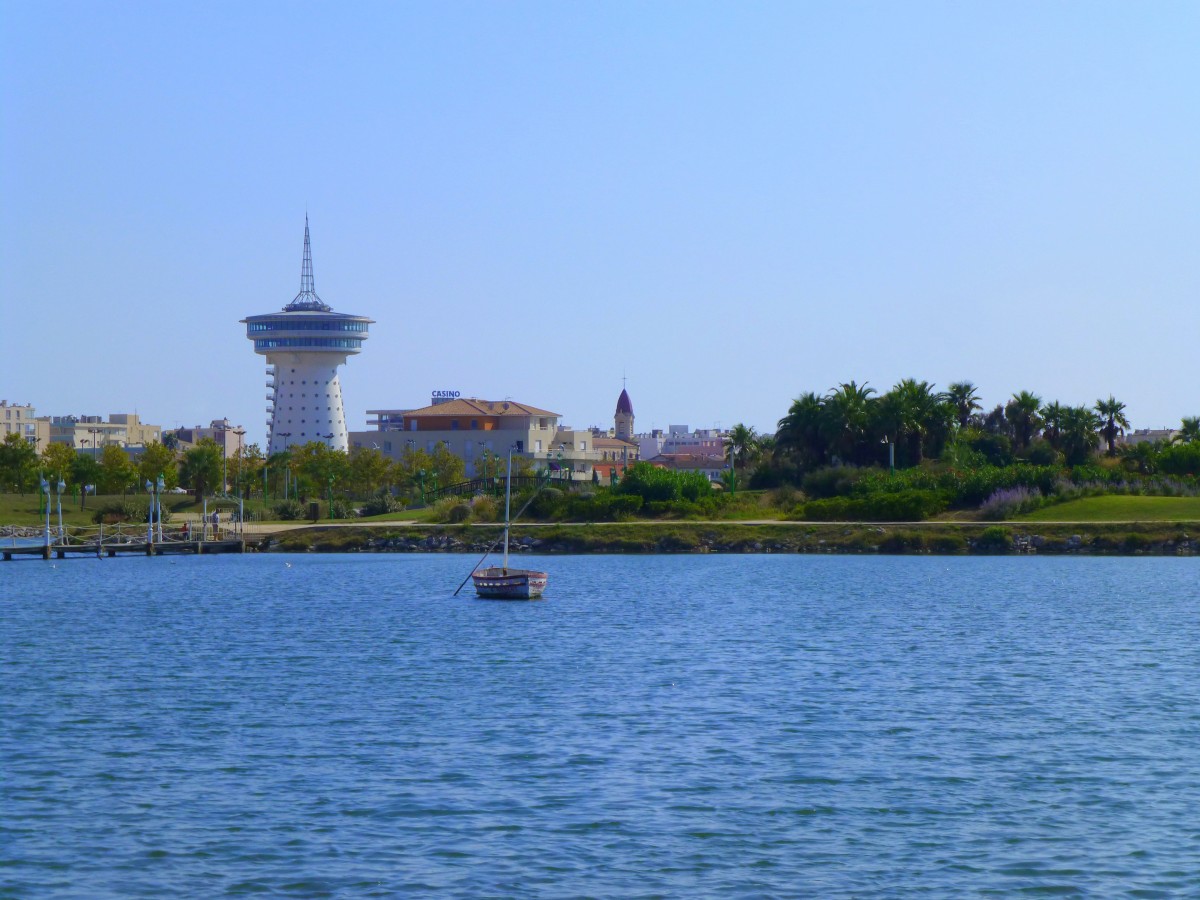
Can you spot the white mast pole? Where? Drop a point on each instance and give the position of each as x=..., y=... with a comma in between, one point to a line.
x=507, y=507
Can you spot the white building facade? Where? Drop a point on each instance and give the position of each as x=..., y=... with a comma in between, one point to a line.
x=304, y=344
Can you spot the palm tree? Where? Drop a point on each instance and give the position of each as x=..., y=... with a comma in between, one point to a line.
x=1190, y=430
x=964, y=397
x=800, y=433
x=1113, y=412
x=1141, y=457
x=848, y=411
x=743, y=445
x=1078, y=433
x=1022, y=411
x=910, y=411
x=1052, y=414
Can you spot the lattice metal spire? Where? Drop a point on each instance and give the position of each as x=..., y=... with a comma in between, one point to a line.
x=307, y=298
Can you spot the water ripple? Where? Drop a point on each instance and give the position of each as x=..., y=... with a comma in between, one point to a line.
x=662, y=726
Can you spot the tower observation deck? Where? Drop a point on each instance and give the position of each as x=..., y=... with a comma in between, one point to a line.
x=304, y=344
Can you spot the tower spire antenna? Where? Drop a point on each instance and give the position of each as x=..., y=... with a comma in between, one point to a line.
x=307, y=298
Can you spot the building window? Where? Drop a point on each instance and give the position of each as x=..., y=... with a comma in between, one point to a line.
x=474, y=424
x=454, y=424
x=537, y=448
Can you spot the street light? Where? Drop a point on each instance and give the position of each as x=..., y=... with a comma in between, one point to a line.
x=95, y=441
x=891, y=454
x=60, y=487
x=160, y=485
x=239, y=432
x=46, y=492
x=150, y=513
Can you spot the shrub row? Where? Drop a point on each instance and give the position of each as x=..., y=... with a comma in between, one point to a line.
x=899, y=506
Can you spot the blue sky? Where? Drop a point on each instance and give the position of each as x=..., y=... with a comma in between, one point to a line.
x=731, y=204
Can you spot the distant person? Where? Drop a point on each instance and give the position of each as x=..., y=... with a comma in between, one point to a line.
x=187, y=530
x=216, y=520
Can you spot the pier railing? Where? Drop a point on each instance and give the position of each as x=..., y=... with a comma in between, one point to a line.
x=124, y=537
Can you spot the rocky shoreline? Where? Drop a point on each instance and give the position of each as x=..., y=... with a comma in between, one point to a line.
x=1151, y=539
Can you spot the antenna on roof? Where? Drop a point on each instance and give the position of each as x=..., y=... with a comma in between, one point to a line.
x=307, y=298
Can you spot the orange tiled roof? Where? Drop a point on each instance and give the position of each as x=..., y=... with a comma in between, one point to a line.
x=471, y=406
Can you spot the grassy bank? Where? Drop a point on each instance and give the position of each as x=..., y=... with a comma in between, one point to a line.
x=685, y=537
x=1119, y=508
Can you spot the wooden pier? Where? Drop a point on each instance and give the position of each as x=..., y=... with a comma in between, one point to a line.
x=115, y=540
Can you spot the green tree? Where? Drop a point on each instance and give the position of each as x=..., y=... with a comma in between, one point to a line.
x=909, y=413
x=85, y=470
x=1112, y=411
x=278, y=465
x=1141, y=457
x=801, y=433
x=964, y=398
x=1022, y=412
x=158, y=460
x=320, y=467
x=743, y=446
x=449, y=468
x=370, y=471
x=117, y=473
x=245, y=469
x=1052, y=414
x=58, y=460
x=848, y=413
x=1189, y=431
x=201, y=467
x=1079, y=435
x=18, y=460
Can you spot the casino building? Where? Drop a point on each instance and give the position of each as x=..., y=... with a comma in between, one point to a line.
x=304, y=344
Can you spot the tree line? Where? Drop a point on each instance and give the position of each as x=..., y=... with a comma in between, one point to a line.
x=854, y=425
x=302, y=471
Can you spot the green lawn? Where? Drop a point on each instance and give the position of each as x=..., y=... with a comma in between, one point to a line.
x=18, y=509
x=1119, y=508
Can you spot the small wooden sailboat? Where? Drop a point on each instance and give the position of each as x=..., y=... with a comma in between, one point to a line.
x=501, y=582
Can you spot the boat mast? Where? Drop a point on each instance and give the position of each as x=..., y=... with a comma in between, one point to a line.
x=507, y=507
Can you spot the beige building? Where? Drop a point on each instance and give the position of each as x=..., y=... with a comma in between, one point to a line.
x=473, y=429
x=22, y=419
x=230, y=438
x=467, y=426
x=92, y=432
x=1147, y=436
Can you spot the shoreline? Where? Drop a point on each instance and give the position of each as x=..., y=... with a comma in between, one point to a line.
x=917, y=538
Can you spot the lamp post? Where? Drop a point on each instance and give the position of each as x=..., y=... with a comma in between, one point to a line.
x=46, y=494
x=60, y=487
x=891, y=454
x=160, y=484
x=421, y=482
x=150, y=514
x=95, y=442
x=239, y=432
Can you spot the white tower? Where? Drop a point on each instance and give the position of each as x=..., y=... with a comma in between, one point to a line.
x=304, y=345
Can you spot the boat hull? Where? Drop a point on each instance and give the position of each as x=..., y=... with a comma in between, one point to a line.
x=495, y=583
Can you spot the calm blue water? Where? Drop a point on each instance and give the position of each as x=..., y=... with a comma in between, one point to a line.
x=660, y=726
